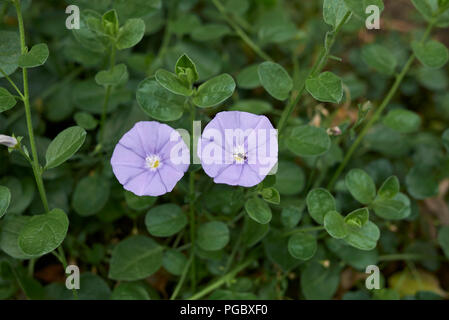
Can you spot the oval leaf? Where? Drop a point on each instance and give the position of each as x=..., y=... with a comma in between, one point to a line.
x=135, y=258
x=361, y=186
x=327, y=87
x=35, y=57
x=258, y=210
x=308, y=141
x=302, y=246
x=214, y=91
x=334, y=224
x=432, y=54
x=43, y=233
x=65, y=145
x=213, y=236
x=158, y=102
x=319, y=203
x=275, y=80
x=165, y=220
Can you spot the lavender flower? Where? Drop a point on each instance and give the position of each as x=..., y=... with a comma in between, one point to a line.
x=8, y=141
x=150, y=159
x=238, y=148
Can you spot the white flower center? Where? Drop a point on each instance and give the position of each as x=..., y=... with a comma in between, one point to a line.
x=239, y=154
x=153, y=162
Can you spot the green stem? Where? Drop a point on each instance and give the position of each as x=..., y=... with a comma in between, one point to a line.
x=378, y=112
x=192, y=200
x=234, y=251
x=183, y=277
x=316, y=68
x=37, y=170
x=240, y=32
x=31, y=264
x=106, y=96
x=227, y=277
x=12, y=83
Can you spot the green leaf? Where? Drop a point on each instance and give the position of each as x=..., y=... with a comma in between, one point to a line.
x=319, y=282
x=171, y=82
x=214, y=91
x=275, y=80
x=174, y=261
x=213, y=236
x=443, y=240
x=290, y=178
x=110, y=22
x=186, y=71
x=253, y=232
x=445, y=138
x=290, y=216
x=64, y=146
x=427, y=8
x=327, y=87
x=361, y=186
x=397, y=208
x=248, y=78
x=130, y=34
x=35, y=57
x=10, y=51
x=138, y=203
x=308, y=141
x=43, y=233
x=319, y=203
x=85, y=120
x=276, y=249
x=5, y=199
x=135, y=258
x=358, y=7
x=9, y=235
x=364, y=238
x=389, y=189
x=302, y=246
x=359, y=259
x=432, y=54
x=271, y=195
x=7, y=100
x=358, y=217
x=403, y=121
x=113, y=77
x=165, y=220
x=421, y=183
x=90, y=195
x=334, y=224
x=379, y=58
x=258, y=210
x=130, y=291
x=210, y=32
x=158, y=102
x=334, y=11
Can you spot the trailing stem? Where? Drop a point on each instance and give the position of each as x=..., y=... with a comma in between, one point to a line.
x=316, y=68
x=379, y=111
x=240, y=32
x=104, y=111
x=34, y=161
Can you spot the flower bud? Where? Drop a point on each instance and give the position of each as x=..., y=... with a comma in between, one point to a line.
x=8, y=141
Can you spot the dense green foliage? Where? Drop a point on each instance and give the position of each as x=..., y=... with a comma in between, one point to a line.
x=362, y=177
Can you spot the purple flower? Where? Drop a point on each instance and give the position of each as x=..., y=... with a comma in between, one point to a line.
x=150, y=159
x=238, y=148
x=8, y=141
